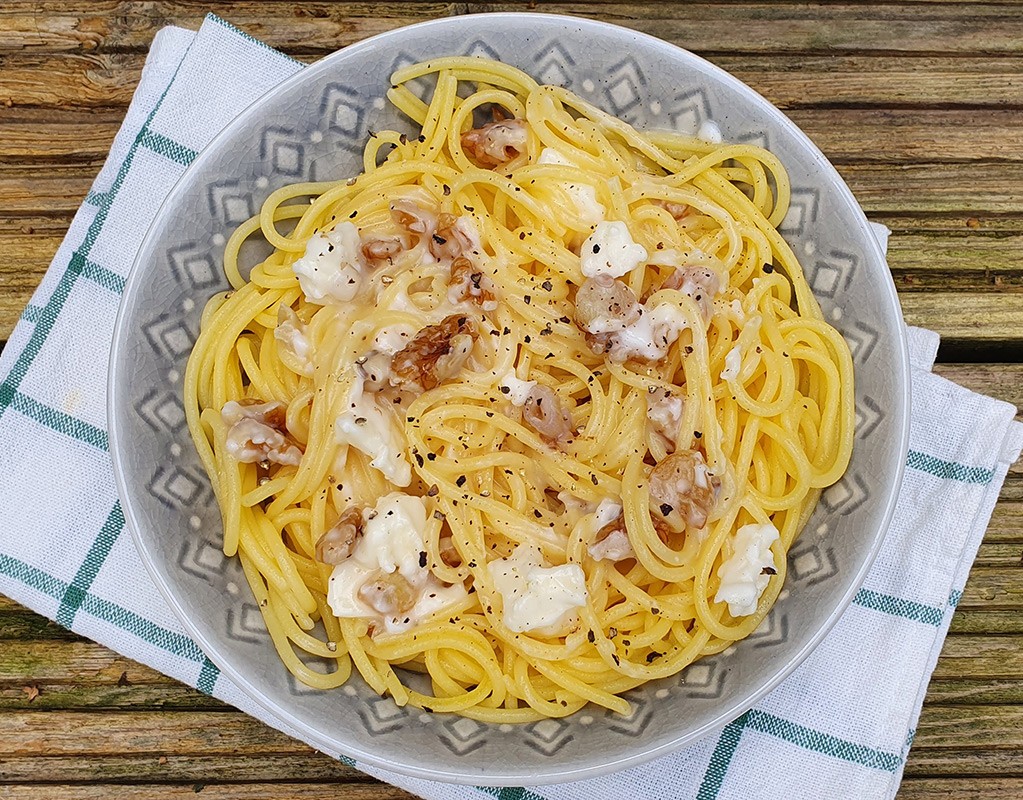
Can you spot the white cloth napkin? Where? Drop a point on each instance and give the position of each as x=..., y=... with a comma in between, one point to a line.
x=841, y=725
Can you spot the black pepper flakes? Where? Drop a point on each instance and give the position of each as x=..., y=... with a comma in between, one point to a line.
x=768, y=268
x=652, y=656
x=546, y=286
x=460, y=482
x=590, y=637
x=698, y=434
x=422, y=559
x=666, y=508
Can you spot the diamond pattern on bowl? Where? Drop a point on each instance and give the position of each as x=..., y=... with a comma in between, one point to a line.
x=195, y=266
x=175, y=486
x=204, y=560
x=637, y=721
x=861, y=338
x=846, y=496
x=245, y=623
x=162, y=411
x=774, y=630
x=461, y=734
x=623, y=84
x=811, y=562
x=868, y=417
x=170, y=336
x=802, y=212
x=548, y=736
x=345, y=113
x=230, y=202
x=555, y=65
x=381, y=715
x=689, y=110
x=285, y=153
x=703, y=679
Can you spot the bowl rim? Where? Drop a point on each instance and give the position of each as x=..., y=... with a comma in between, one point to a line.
x=503, y=777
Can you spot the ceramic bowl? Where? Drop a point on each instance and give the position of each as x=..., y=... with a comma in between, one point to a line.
x=313, y=127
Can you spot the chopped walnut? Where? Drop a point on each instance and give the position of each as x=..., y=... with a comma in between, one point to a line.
x=699, y=283
x=414, y=219
x=437, y=353
x=614, y=322
x=469, y=283
x=377, y=251
x=612, y=542
x=682, y=482
x=338, y=543
x=545, y=414
x=496, y=143
x=448, y=554
x=677, y=210
x=389, y=594
x=454, y=237
x=258, y=432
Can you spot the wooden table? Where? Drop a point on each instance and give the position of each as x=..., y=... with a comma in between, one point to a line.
x=920, y=106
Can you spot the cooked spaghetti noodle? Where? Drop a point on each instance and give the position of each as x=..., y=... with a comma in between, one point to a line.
x=533, y=407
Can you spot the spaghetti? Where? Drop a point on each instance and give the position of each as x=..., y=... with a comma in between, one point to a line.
x=533, y=407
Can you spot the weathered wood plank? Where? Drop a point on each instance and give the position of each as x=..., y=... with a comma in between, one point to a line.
x=172, y=768
x=913, y=135
x=981, y=657
x=791, y=81
x=769, y=27
x=967, y=691
x=961, y=788
x=103, y=80
x=973, y=318
x=18, y=623
x=985, y=726
x=301, y=27
x=81, y=661
x=994, y=588
x=967, y=620
x=1004, y=381
x=166, y=695
x=69, y=80
x=316, y=767
x=929, y=188
x=210, y=791
x=55, y=190
x=38, y=136
x=307, y=27
x=103, y=733
x=979, y=764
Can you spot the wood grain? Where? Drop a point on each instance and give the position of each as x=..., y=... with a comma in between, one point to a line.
x=920, y=106
x=104, y=80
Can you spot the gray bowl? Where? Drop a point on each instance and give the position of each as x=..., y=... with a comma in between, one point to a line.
x=312, y=128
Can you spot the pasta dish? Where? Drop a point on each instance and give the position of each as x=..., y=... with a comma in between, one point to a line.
x=526, y=414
